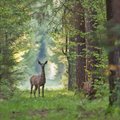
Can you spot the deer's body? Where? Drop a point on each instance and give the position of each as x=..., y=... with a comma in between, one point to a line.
x=88, y=89
x=38, y=81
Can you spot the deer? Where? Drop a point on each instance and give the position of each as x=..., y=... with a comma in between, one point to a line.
x=88, y=89
x=38, y=80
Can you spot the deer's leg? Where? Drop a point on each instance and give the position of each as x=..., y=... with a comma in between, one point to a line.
x=38, y=91
x=31, y=90
x=43, y=91
x=35, y=91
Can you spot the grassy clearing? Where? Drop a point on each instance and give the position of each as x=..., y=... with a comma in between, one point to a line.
x=57, y=105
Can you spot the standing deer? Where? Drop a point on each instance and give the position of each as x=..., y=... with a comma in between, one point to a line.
x=38, y=81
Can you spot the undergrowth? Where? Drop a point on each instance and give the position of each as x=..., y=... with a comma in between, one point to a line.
x=56, y=105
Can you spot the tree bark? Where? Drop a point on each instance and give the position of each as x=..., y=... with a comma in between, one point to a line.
x=113, y=17
x=68, y=50
x=80, y=45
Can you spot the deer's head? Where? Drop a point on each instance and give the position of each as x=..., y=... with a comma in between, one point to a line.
x=42, y=64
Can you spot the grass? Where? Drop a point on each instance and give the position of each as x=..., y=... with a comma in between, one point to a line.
x=56, y=105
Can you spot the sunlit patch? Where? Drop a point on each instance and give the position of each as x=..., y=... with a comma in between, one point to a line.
x=56, y=3
x=52, y=70
x=49, y=86
x=51, y=83
x=19, y=56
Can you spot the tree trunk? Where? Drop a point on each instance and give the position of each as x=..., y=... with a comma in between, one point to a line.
x=113, y=17
x=92, y=49
x=68, y=50
x=80, y=45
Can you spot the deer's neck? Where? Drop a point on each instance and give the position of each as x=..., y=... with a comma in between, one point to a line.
x=43, y=75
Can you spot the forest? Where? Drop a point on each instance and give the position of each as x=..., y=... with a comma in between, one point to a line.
x=59, y=60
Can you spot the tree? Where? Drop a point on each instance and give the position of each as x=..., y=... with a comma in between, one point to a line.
x=80, y=44
x=113, y=17
x=14, y=15
x=75, y=26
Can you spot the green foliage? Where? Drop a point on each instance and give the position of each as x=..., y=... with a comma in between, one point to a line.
x=117, y=92
x=60, y=103
x=23, y=23
x=13, y=41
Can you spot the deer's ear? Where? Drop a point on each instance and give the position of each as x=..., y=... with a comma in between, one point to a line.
x=45, y=62
x=39, y=62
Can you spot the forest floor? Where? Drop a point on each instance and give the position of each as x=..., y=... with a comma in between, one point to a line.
x=56, y=105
